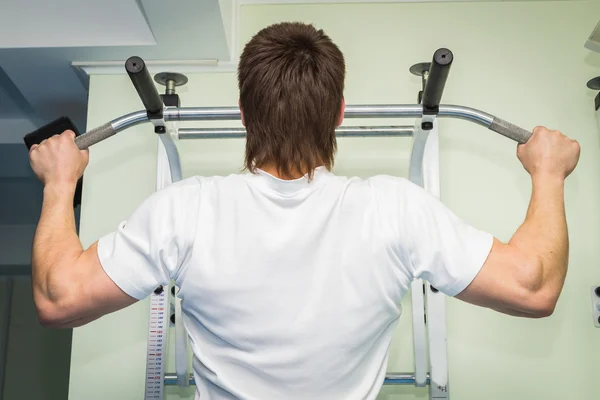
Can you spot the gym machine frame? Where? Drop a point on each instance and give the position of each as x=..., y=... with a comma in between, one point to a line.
x=428, y=304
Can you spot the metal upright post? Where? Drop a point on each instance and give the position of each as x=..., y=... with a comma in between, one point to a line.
x=168, y=170
x=424, y=171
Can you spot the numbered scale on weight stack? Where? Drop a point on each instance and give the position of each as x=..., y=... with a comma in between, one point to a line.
x=157, y=341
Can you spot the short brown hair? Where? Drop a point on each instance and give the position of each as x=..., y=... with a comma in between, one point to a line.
x=291, y=82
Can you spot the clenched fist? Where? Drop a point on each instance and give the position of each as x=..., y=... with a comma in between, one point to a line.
x=58, y=160
x=549, y=153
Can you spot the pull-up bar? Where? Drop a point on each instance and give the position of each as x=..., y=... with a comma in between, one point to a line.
x=353, y=111
x=157, y=113
x=432, y=94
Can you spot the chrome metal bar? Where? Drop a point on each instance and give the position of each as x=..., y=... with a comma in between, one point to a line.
x=129, y=120
x=392, y=378
x=466, y=113
x=343, y=131
x=201, y=113
x=356, y=111
x=352, y=111
x=233, y=113
x=384, y=111
x=172, y=157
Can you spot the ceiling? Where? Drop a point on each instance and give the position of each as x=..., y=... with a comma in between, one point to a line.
x=39, y=40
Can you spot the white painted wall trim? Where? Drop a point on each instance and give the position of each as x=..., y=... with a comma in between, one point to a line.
x=181, y=66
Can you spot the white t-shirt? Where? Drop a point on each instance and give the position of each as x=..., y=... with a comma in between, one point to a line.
x=291, y=289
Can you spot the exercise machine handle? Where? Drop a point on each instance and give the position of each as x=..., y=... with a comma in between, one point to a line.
x=94, y=136
x=509, y=130
x=436, y=80
x=142, y=81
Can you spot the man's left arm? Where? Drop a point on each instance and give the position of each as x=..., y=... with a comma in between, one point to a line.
x=70, y=287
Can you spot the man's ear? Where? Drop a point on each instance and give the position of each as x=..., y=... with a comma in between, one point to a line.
x=241, y=113
x=342, y=110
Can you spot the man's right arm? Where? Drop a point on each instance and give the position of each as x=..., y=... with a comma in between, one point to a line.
x=525, y=276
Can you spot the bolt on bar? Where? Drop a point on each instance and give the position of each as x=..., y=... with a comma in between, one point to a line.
x=392, y=378
x=343, y=131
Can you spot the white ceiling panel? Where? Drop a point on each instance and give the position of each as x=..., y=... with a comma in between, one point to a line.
x=72, y=23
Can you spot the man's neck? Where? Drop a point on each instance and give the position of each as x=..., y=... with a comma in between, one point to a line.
x=273, y=170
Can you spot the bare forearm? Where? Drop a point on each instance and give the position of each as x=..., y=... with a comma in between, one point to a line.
x=75, y=323
x=513, y=312
x=55, y=244
x=544, y=234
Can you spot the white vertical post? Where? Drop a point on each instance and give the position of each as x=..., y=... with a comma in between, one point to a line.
x=415, y=175
x=168, y=170
x=435, y=301
x=181, y=348
x=424, y=171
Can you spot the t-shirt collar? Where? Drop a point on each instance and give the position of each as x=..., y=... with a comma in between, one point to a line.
x=289, y=187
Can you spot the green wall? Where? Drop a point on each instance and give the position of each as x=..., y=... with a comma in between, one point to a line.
x=523, y=61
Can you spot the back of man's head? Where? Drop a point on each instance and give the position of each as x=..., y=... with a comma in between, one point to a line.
x=291, y=82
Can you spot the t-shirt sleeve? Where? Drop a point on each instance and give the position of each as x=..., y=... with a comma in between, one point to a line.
x=443, y=249
x=149, y=249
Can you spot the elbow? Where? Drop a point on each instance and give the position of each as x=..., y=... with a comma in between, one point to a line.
x=538, y=299
x=542, y=306
x=49, y=313
x=48, y=317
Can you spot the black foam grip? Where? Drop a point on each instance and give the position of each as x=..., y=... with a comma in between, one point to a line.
x=436, y=80
x=52, y=128
x=56, y=127
x=509, y=130
x=142, y=81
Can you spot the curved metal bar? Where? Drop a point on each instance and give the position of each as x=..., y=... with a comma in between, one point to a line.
x=129, y=120
x=357, y=111
x=466, y=113
x=391, y=378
